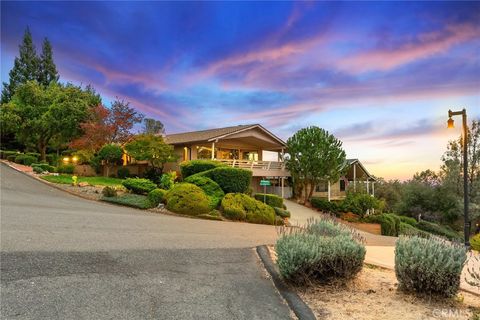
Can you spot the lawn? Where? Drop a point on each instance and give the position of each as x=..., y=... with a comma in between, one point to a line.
x=96, y=181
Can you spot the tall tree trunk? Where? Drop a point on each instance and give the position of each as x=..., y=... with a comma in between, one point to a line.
x=42, y=147
x=305, y=187
x=312, y=187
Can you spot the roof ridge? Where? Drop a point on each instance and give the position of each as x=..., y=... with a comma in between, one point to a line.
x=215, y=129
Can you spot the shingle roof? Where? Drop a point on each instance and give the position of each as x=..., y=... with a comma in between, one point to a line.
x=210, y=134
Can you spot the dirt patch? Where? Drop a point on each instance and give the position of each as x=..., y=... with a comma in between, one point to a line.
x=373, y=295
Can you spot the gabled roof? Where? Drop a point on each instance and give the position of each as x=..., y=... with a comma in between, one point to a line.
x=215, y=134
x=356, y=161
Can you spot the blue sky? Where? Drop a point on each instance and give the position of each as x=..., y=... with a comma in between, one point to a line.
x=379, y=75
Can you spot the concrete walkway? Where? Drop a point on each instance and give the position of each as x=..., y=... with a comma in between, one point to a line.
x=380, y=249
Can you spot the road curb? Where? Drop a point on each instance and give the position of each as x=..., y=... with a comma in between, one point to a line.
x=296, y=304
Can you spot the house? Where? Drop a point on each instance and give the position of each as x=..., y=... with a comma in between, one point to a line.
x=356, y=177
x=242, y=146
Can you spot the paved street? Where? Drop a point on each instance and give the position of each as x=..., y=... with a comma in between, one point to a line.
x=63, y=257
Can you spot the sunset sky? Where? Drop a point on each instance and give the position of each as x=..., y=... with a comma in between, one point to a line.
x=381, y=76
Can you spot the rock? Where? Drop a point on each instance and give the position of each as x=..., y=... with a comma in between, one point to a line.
x=83, y=184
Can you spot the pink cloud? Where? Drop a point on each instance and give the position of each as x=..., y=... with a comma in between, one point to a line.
x=426, y=45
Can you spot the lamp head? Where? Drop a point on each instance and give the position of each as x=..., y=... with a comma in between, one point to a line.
x=450, y=123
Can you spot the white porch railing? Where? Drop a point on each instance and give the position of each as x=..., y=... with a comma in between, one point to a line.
x=259, y=168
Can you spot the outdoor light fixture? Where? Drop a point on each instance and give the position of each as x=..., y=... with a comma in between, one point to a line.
x=450, y=123
x=466, y=222
x=74, y=159
x=66, y=159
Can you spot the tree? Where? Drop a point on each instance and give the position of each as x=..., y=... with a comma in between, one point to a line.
x=47, y=72
x=152, y=149
x=110, y=154
x=314, y=156
x=54, y=112
x=122, y=118
x=389, y=191
x=107, y=126
x=152, y=126
x=25, y=67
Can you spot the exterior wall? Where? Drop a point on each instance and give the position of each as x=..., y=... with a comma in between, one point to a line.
x=335, y=192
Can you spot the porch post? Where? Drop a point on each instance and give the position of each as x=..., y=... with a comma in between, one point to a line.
x=213, y=150
x=283, y=186
x=373, y=188
x=368, y=187
x=328, y=190
x=354, y=177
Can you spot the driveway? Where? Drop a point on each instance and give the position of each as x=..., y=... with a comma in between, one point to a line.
x=63, y=257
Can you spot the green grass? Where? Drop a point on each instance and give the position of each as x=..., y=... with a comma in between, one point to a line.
x=96, y=181
x=130, y=200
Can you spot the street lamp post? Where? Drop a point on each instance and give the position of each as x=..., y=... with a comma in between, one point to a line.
x=463, y=113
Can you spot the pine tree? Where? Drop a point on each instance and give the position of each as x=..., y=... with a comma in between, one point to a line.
x=47, y=71
x=25, y=67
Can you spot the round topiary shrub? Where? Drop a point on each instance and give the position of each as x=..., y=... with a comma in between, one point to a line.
x=239, y=206
x=187, y=198
x=282, y=212
x=156, y=196
x=25, y=159
x=37, y=169
x=210, y=187
x=429, y=266
x=231, y=180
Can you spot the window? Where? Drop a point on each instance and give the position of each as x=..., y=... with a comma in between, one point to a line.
x=342, y=185
x=322, y=187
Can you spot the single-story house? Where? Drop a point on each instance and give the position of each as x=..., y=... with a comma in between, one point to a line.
x=356, y=177
x=242, y=146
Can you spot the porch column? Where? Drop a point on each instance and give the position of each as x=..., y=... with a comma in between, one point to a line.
x=328, y=190
x=213, y=150
x=368, y=186
x=283, y=186
x=354, y=177
x=373, y=188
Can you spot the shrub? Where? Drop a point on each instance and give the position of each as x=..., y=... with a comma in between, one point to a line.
x=438, y=230
x=138, y=185
x=408, y=230
x=271, y=199
x=109, y=192
x=389, y=223
x=37, y=169
x=430, y=266
x=25, y=159
x=130, y=200
x=210, y=187
x=123, y=173
x=11, y=157
x=52, y=158
x=156, y=196
x=408, y=220
x=188, y=168
x=5, y=153
x=475, y=242
x=44, y=166
x=35, y=155
x=359, y=203
x=168, y=180
x=66, y=168
x=279, y=221
x=231, y=180
x=187, y=198
x=320, y=251
x=239, y=206
x=282, y=212
x=324, y=205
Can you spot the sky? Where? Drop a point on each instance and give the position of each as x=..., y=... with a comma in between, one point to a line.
x=380, y=76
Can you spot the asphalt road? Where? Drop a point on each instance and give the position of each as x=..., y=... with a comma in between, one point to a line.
x=63, y=257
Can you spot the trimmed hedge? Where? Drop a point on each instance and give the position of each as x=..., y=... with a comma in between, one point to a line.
x=130, y=200
x=189, y=168
x=37, y=169
x=239, y=206
x=409, y=230
x=271, y=199
x=389, y=222
x=11, y=157
x=44, y=166
x=187, y=198
x=429, y=266
x=5, y=153
x=408, y=220
x=138, y=185
x=210, y=187
x=438, y=230
x=324, y=205
x=25, y=159
x=282, y=212
x=66, y=168
x=231, y=180
x=321, y=251
x=156, y=196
